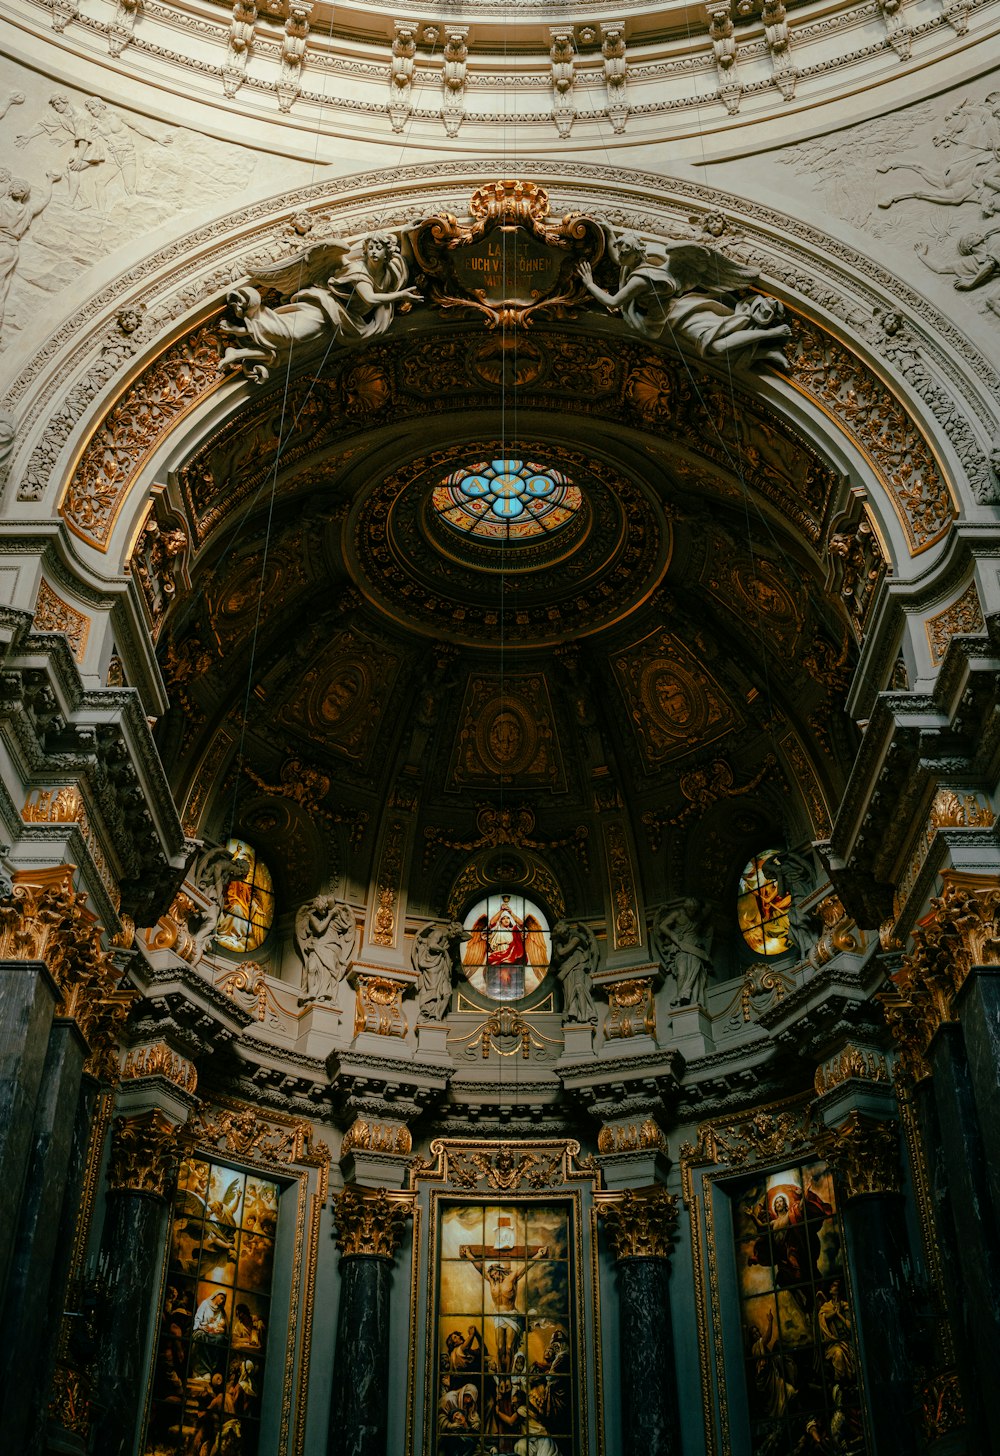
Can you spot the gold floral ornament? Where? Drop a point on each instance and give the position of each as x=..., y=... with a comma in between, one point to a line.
x=370, y=1224
x=639, y=1224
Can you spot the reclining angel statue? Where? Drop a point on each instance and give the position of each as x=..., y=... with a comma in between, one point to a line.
x=689, y=297
x=339, y=291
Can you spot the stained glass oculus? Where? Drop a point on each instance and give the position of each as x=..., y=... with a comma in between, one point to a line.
x=507, y=500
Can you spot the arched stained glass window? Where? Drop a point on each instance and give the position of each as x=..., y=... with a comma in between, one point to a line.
x=509, y=949
x=248, y=907
x=763, y=905
x=506, y=500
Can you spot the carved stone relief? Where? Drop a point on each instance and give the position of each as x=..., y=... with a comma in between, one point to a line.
x=672, y=703
x=95, y=176
x=507, y=732
x=931, y=185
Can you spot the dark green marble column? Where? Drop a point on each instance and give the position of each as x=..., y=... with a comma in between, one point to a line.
x=963, y=1160
x=640, y=1228
x=369, y=1227
x=359, y=1409
x=35, y=1246
x=978, y=1008
x=28, y=997
x=133, y=1240
x=864, y=1153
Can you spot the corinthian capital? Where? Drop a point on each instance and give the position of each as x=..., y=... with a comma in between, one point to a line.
x=639, y=1225
x=143, y=1154
x=864, y=1154
x=371, y=1223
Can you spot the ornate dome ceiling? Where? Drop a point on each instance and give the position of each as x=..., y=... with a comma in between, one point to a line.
x=662, y=658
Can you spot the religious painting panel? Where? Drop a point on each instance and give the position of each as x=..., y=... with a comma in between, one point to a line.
x=212, y=1344
x=507, y=1359
x=800, y=1350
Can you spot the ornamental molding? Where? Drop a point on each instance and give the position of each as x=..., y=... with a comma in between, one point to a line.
x=762, y=1136
x=640, y=1224
x=851, y=1064
x=472, y=1165
x=270, y=1140
x=371, y=1224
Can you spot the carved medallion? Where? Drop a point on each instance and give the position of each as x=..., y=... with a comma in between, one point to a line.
x=672, y=702
x=506, y=735
x=343, y=697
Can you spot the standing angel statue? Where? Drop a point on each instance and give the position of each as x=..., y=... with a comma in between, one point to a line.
x=325, y=937
x=339, y=291
x=432, y=957
x=574, y=954
x=690, y=297
x=682, y=938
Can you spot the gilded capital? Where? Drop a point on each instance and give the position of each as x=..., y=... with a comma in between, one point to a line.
x=864, y=1155
x=639, y=1225
x=371, y=1222
x=144, y=1154
x=45, y=918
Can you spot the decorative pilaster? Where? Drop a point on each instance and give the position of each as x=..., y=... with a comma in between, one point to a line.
x=141, y=1172
x=370, y=1227
x=641, y=1227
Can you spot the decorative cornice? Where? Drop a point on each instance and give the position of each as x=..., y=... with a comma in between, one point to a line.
x=756, y=1137
x=371, y=1224
x=864, y=1155
x=630, y=1137
x=144, y=1154
x=640, y=1224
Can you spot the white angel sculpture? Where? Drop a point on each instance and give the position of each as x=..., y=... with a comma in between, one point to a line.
x=575, y=954
x=338, y=291
x=690, y=297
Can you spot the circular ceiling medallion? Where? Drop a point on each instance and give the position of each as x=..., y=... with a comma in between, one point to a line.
x=598, y=545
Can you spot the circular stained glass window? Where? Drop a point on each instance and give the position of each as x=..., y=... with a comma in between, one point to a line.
x=248, y=905
x=507, y=500
x=509, y=947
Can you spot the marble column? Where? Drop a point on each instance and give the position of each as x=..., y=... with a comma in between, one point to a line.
x=963, y=1163
x=952, y=1337
x=640, y=1228
x=369, y=1228
x=864, y=1154
x=140, y=1183
x=978, y=1008
x=35, y=1247
x=28, y=997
